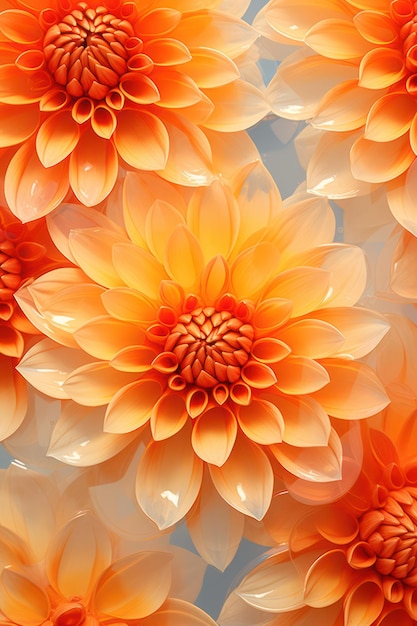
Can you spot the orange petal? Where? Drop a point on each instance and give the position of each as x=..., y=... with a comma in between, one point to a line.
x=78, y=554
x=132, y=406
x=57, y=138
x=20, y=87
x=245, y=480
x=117, y=593
x=93, y=168
x=261, y=421
x=400, y=196
x=169, y=415
x=390, y=117
x=304, y=287
x=104, y=336
x=354, y=391
x=300, y=375
x=237, y=106
x=95, y=384
x=19, y=123
x=214, y=434
x=312, y=338
x=176, y=89
x=141, y=140
x=381, y=68
x=271, y=314
x=377, y=162
x=214, y=279
x=376, y=27
x=31, y=190
x=22, y=601
x=337, y=39
x=327, y=579
x=306, y=422
x=20, y=26
x=129, y=305
x=72, y=306
x=127, y=258
x=78, y=437
x=364, y=603
x=258, y=375
x=253, y=268
x=184, y=257
x=161, y=220
x=211, y=68
x=178, y=613
x=269, y=350
x=166, y=495
x=166, y=52
x=13, y=398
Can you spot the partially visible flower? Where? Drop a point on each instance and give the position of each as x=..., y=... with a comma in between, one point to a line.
x=223, y=327
x=62, y=567
x=354, y=79
x=25, y=252
x=351, y=562
x=88, y=86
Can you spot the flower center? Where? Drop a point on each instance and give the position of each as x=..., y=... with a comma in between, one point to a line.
x=404, y=14
x=10, y=266
x=88, y=50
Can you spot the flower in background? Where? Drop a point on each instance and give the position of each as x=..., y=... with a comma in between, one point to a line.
x=355, y=80
x=222, y=326
x=351, y=562
x=25, y=252
x=88, y=86
x=61, y=566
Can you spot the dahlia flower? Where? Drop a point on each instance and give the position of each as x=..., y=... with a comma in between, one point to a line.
x=64, y=569
x=88, y=86
x=354, y=80
x=220, y=329
x=351, y=562
x=25, y=252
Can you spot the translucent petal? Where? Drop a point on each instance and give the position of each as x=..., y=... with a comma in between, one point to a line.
x=127, y=258
x=213, y=217
x=141, y=140
x=178, y=613
x=354, y=391
x=261, y=421
x=214, y=434
x=215, y=527
x=184, y=258
x=78, y=437
x=313, y=338
x=245, y=480
x=78, y=553
x=31, y=190
x=57, y=138
x=93, y=168
x=390, y=117
x=118, y=593
x=337, y=39
x=296, y=21
x=314, y=463
x=132, y=406
x=72, y=306
x=237, y=106
x=377, y=162
x=304, y=287
x=104, y=336
x=211, y=68
x=345, y=107
x=166, y=495
x=300, y=375
x=22, y=600
x=400, y=195
x=96, y=383
x=327, y=579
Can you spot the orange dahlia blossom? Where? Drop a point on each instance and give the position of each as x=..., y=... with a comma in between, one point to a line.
x=222, y=325
x=25, y=252
x=86, y=86
x=58, y=569
x=355, y=77
x=351, y=562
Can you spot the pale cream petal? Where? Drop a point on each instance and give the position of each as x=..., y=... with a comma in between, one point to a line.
x=354, y=391
x=378, y=162
x=213, y=217
x=47, y=364
x=390, y=117
x=188, y=571
x=127, y=258
x=96, y=383
x=104, y=336
x=71, y=307
x=236, y=612
x=132, y=406
x=178, y=613
x=127, y=304
x=184, y=257
x=403, y=277
x=215, y=527
x=118, y=593
x=93, y=168
x=165, y=488
x=345, y=107
x=78, y=437
x=78, y=553
x=92, y=249
x=21, y=600
x=237, y=106
x=245, y=480
x=328, y=579
x=214, y=434
x=316, y=463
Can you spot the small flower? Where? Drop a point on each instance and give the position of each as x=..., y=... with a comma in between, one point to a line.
x=355, y=80
x=60, y=568
x=222, y=325
x=351, y=562
x=88, y=86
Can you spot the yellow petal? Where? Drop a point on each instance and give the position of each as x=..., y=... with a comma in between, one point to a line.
x=252, y=269
x=214, y=279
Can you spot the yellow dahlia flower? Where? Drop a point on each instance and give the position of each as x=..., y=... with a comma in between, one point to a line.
x=88, y=86
x=355, y=81
x=62, y=567
x=221, y=324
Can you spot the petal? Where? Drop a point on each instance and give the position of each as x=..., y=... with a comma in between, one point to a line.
x=337, y=39
x=129, y=305
x=127, y=258
x=132, y=406
x=46, y=365
x=261, y=421
x=354, y=391
x=31, y=190
x=169, y=415
x=92, y=248
x=390, y=117
x=271, y=314
x=306, y=422
x=300, y=375
x=184, y=257
x=176, y=89
x=237, y=106
x=381, y=68
x=252, y=269
x=161, y=220
x=213, y=217
x=19, y=87
x=400, y=196
x=214, y=279
x=22, y=122
x=377, y=162
x=214, y=434
x=93, y=168
x=313, y=338
x=245, y=480
x=178, y=613
x=327, y=579
x=314, y=463
x=57, y=138
x=305, y=287
x=118, y=593
x=72, y=306
x=104, y=336
x=211, y=68
x=20, y=26
x=364, y=603
x=78, y=553
x=215, y=528
x=142, y=140
x=13, y=398
x=78, y=437
x=95, y=384
x=166, y=495
x=21, y=600
x=376, y=27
